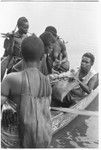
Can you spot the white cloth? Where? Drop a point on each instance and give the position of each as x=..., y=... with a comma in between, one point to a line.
x=86, y=79
x=90, y=74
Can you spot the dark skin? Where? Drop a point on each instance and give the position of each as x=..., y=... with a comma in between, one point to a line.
x=59, y=54
x=86, y=65
x=12, y=46
x=24, y=28
x=21, y=30
x=63, y=56
x=12, y=83
x=49, y=50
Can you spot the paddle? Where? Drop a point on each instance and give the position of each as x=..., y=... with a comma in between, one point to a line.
x=75, y=111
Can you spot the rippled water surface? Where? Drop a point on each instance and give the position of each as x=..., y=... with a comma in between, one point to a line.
x=82, y=132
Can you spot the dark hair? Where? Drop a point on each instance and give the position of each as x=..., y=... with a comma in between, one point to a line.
x=47, y=38
x=32, y=48
x=52, y=30
x=21, y=20
x=91, y=56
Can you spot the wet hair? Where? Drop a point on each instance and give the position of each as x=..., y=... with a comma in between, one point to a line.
x=91, y=56
x=52, y=30
x=21, y=20
x=32, y=48
x=47, y=38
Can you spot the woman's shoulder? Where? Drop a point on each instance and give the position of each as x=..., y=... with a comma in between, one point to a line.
x=13, y=77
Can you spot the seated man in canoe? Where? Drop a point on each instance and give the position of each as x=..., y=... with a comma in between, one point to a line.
x=86, y=77
x=85, y=80
x=60, y=57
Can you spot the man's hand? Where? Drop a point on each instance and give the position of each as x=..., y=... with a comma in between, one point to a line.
x=54, y=71
x=73, y=77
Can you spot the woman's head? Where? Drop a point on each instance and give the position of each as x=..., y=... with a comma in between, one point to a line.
x=32, y=49
x=48, y=39
x=52, y=30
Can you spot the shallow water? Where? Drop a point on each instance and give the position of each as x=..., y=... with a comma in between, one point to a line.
x=80, y=133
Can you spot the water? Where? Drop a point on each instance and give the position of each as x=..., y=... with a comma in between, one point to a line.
x=80, y=133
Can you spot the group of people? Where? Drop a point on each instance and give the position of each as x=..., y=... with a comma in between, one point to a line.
x=26, y=91
x=55, y=54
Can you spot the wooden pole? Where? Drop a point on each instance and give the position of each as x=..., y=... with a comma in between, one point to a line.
x=75, y=111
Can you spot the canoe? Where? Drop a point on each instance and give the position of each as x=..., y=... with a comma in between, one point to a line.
x=61, y=119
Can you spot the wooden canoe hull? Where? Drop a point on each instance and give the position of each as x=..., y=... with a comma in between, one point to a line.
x=63, y=119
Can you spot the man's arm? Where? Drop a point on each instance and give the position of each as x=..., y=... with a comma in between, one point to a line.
x=93, y=82
x=78, y=92
x=64, y=56
x=64, y=53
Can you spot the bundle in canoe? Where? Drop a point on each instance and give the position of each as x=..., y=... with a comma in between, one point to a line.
x=61, y=119
x=61, y=85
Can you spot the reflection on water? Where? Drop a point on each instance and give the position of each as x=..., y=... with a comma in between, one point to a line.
x=82, y=132
x=86, y=135
x=90, y=139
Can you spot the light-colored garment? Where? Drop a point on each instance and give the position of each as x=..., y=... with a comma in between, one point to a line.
x=35, y=114
x=86, y=79
x=90, y=74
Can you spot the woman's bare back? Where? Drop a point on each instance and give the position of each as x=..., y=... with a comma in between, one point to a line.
x=12, y=84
